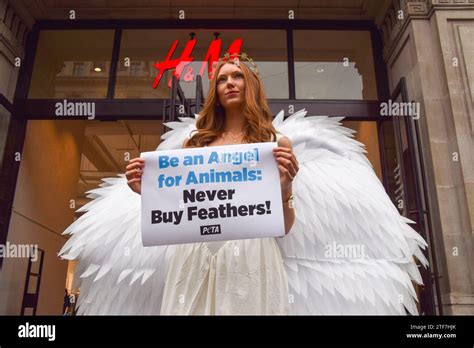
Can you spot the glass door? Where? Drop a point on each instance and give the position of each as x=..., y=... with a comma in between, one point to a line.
x=406, y=185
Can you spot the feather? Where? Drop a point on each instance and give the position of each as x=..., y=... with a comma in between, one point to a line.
x=339, y=202
x=106, y=241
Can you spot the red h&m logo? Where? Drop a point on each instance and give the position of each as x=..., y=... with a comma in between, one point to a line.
x=212, y=56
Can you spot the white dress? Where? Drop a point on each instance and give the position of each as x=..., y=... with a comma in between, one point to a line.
x=227, y=277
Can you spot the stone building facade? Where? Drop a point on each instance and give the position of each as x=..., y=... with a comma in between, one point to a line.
x=427, y=43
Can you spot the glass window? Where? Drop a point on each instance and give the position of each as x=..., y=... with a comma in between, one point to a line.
x=72, y=64
x=136, y=69
x=334, y=64
x=367, y=134
x=78, y=69
x=395, y=187
x=141, y=49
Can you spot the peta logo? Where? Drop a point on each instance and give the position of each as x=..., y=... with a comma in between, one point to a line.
x=210, y=229
x=66, y=108
x=37, y=331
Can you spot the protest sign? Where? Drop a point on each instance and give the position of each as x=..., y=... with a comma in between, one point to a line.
x=210, y=194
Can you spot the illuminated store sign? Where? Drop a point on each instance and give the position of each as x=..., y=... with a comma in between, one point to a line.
x=179, y=64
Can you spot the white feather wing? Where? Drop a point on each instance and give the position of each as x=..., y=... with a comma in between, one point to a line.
x=349, y=251
x=116, y=274
x=339, y=201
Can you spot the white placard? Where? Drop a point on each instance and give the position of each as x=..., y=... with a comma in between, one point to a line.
x=211, y=193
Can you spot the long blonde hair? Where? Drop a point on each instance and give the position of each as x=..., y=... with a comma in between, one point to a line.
x=258, y=125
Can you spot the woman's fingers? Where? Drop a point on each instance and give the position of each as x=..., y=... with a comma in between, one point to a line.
x=133, y=173
x=290, y=157
x=135, y=163
x=131, y=181
x=288, y=165
x=135, y=185
x=288, y=162
x=288, y=154
x=286, y=172
x=135, y=168
x=137, y=159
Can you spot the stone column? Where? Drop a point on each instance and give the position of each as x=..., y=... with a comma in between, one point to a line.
x=430, y=44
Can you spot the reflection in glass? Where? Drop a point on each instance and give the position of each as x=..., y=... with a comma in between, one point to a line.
x=333, y=64
x=141, y=49
x=72, y=64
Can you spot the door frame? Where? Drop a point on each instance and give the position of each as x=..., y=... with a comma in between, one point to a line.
x=422, y=211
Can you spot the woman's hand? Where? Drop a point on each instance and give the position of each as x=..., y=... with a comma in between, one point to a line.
x=288, y=167
x=134, y=174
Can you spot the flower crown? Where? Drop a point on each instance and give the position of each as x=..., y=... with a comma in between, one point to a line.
x=236, y=58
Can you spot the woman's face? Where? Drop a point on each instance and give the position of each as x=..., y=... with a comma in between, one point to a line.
x=230, y=86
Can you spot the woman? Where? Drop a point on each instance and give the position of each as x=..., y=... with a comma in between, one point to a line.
x=238, y=276
x=341, y=202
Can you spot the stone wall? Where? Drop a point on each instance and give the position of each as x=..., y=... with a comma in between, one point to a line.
x=47, y=180
x=431, y=46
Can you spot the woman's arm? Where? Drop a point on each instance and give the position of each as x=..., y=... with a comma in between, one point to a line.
x=288, y=212
x=288, y=167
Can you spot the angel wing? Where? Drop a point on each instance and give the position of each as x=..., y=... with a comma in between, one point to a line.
x=339, y=200
x=117, y=275
x=349, y=250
